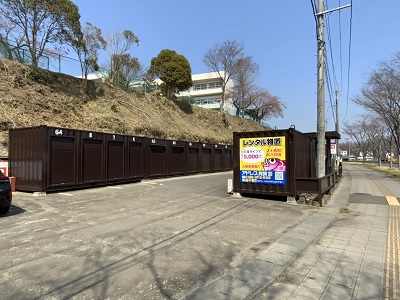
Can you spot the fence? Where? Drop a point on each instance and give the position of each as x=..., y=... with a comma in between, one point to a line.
x=21, y=54
x=144, y=87
x=51, y=61
x=47, y=159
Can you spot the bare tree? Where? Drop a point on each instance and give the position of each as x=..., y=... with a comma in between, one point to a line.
x=222, y=59
x=357, y=131
x=92, y=42
x=377, y=134
x=381, y=95
x=119, y=43
x=244, y=87
x=10, y=50
x=264, y=105
x=129, y=69
x=40, y=23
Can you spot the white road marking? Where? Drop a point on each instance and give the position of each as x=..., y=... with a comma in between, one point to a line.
x=65, y=194
x=35, y=221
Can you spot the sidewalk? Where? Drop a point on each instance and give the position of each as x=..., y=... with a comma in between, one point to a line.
x=345, y=262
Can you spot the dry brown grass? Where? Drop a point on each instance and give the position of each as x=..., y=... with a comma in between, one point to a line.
x=30, y=97
x=394, y=172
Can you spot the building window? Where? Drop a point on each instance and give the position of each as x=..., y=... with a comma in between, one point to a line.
x=207, y=101
x=214, y=85
x=198, y=87
x=205, y=86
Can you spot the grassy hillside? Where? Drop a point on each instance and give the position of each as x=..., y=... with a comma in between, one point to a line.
x=30, y=97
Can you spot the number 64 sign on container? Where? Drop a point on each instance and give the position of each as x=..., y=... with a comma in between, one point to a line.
x=263, y=160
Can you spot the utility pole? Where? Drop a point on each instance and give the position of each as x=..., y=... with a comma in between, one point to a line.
x=321, y=142
x=321, y=93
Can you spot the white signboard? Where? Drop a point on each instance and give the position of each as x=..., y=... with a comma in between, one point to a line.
x=333, y=148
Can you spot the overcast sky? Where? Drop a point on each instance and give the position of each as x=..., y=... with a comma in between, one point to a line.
x=279, y=35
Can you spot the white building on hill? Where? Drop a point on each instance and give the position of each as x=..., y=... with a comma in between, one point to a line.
x=206, y=92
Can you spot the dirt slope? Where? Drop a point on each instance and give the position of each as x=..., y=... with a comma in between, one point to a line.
x=30, y=97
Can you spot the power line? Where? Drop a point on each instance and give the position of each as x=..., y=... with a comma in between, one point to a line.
x=349, y=60
x=329, y=87
x=314, y=8
x=328, y=27
x=328, y=73
x=340, y=47
x=330, y=68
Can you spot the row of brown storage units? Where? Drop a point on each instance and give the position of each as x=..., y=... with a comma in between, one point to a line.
x=51, y=159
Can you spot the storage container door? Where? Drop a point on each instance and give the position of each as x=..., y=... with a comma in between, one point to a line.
x=206, y=160
x=115, y=160
x=157, y=158
x=193, y=160
x=228, y=159
x=176, y=160
x=62, y=160
x=93, y=161
x=217, y=159
x=135, y=160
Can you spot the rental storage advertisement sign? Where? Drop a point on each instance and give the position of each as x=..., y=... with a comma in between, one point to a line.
x=263, y=160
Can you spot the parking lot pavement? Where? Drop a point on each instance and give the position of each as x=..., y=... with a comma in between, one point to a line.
x=156, y=239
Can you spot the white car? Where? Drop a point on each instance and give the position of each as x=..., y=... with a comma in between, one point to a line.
x=352, y=158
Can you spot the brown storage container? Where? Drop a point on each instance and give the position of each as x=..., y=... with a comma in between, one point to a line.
x=115, y=152
x=92, y=157
x=257, y=157
x=177, y=157
x=206, y=158
x=279, y=162
x=42, y=157
x=193, y=158
x=26, y=156
x=228, y=158
x=50, y=159
x=63, y=157
x=157, y=158
x=135, y=158
x=218, y=158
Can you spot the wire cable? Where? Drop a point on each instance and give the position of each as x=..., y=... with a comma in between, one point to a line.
x=328, y=74
x=349, y=61
x=329, y=87
x=314, y=8
x=328, y=29
x=340, y=46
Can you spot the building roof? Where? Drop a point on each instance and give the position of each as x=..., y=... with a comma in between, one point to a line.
x=205, y=76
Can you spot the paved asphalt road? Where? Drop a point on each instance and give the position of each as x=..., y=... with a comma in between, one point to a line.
x=157, y=239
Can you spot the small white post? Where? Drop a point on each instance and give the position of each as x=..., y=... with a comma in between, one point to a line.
x=230, y=186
